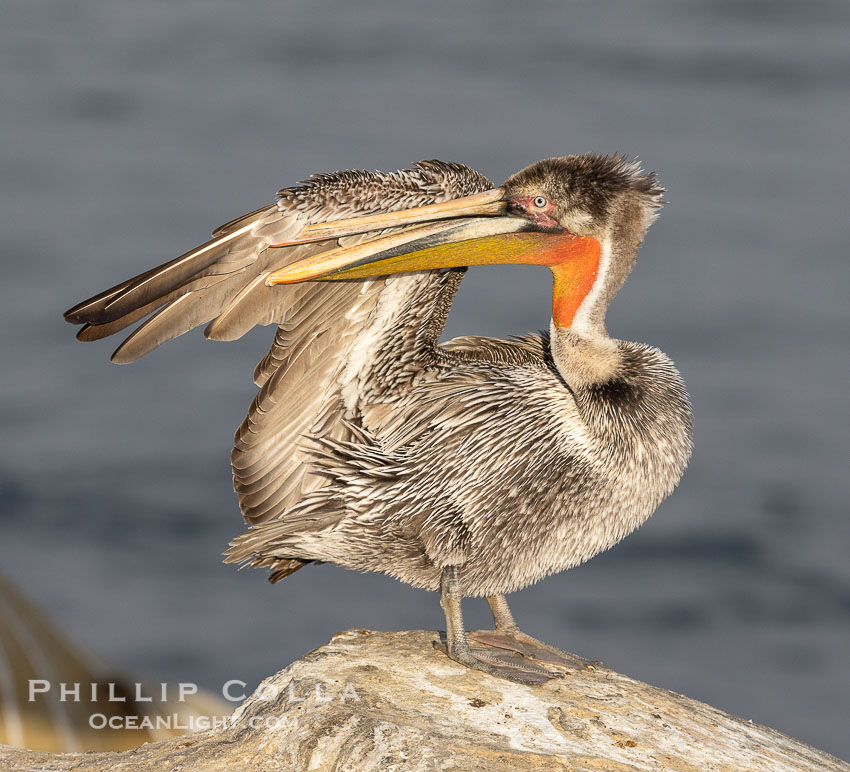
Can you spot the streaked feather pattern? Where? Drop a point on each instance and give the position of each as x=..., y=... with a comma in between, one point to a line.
x=222, y=284
x=370, y=445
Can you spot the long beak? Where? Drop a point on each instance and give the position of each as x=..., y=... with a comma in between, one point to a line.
x=452, y=243
x=445, y=244
x=443, y=235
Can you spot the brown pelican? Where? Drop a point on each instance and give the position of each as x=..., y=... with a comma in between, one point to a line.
x=473, y=467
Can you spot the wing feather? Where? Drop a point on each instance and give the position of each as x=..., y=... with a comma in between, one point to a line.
x=323, y=364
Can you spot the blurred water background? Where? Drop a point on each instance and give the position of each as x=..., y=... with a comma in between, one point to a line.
x=130, y=129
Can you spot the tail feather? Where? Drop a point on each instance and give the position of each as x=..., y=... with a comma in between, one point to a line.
x=287, y=567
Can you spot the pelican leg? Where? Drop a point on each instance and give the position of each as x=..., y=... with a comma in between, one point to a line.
x=509, y=637
x=500, y=662
x=502, y=614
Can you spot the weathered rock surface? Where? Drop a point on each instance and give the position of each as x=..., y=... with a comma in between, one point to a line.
x=389, y=701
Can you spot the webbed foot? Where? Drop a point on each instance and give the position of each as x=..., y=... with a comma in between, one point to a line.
x=501, y=663
x=526, y=647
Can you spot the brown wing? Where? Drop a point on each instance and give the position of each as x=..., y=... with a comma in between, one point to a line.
x=324, y=365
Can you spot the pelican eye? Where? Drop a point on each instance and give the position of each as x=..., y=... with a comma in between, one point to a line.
x=540, y=202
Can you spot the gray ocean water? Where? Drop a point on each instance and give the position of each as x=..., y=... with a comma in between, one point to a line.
x=131, y=129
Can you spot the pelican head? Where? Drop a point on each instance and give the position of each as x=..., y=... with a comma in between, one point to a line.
x=582, y=216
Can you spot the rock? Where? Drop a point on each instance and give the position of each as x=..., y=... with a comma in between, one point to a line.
x=390, y=701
